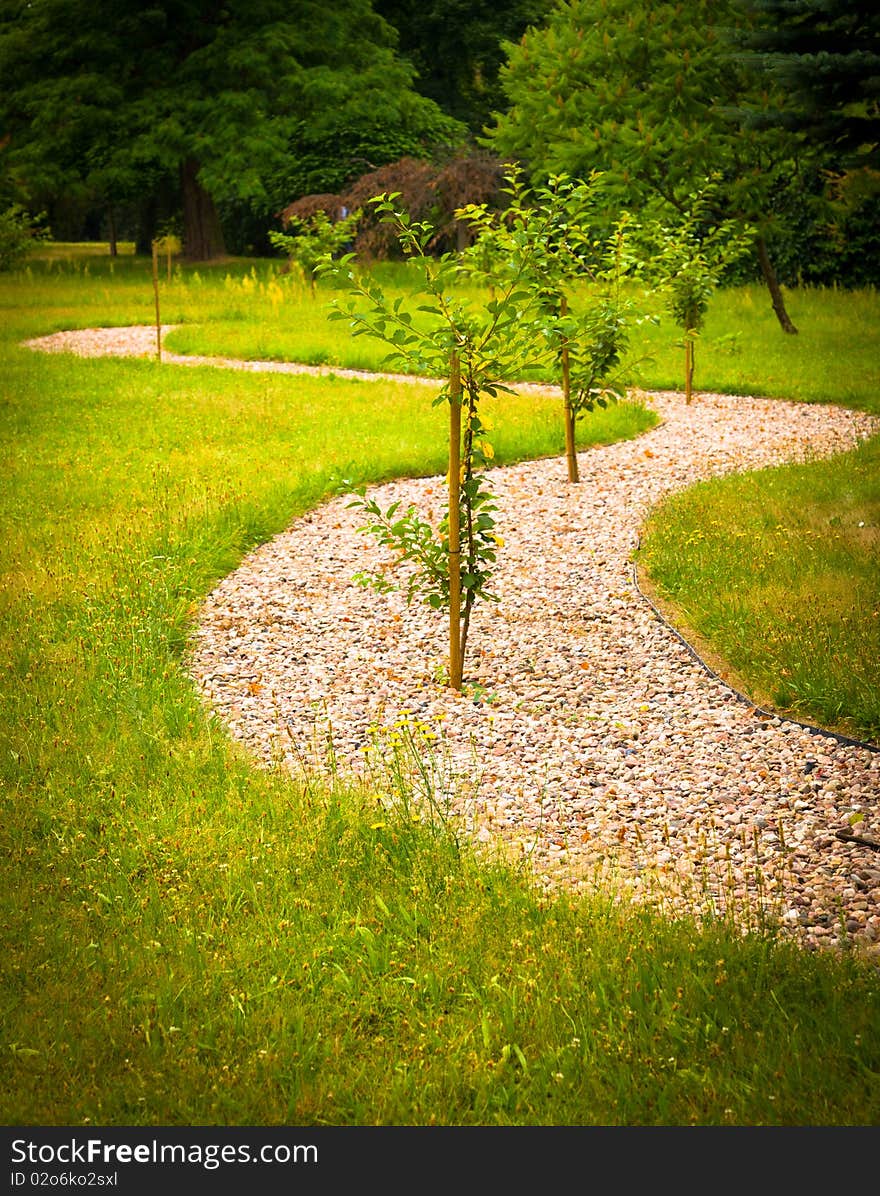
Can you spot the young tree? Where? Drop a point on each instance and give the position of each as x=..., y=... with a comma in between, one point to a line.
x=314, y=238
x=475, y=348
x=575, y=265
x=689, y=259
x=19, y=230
x=593, y=339
x=646, y=94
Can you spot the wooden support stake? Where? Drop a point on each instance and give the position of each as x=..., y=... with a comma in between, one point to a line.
x=455, y=659
x=156, y=296
x=570, y=449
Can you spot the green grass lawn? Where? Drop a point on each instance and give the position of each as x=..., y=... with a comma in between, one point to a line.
x=779, y=572
x=741, y=350
x=189, y=940
x=245, y=308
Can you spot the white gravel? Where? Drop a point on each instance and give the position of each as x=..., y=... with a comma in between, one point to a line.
x=590, y=742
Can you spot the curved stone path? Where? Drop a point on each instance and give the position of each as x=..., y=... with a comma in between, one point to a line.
x=589, y=741
x=139, y=340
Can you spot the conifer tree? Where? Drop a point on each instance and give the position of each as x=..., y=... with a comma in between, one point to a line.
x=824, y=55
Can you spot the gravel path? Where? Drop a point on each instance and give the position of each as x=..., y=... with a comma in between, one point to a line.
x=140, y=341
x=590, y=742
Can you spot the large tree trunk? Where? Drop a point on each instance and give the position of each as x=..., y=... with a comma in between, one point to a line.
x=202, y=234
x=773, y=287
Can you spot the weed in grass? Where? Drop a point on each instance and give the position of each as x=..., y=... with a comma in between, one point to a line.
x=415, y=768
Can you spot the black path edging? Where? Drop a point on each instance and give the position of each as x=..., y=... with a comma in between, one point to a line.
x=844, y=740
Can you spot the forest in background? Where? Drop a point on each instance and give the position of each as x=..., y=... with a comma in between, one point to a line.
x=129, y=121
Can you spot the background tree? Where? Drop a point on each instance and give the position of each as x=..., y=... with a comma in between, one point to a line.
x=456, y=48
x=228, y=105
x=647, y=94
x=824, y=57
x=426, y=191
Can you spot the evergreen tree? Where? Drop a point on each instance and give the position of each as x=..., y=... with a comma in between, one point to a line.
x=824, y=55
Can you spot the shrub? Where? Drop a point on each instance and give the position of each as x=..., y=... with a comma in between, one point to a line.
x=18, y=231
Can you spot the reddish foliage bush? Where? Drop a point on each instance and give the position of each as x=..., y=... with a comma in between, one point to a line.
x=308, y=205
x=476, y=178
x=426, y=191
x=413, y=178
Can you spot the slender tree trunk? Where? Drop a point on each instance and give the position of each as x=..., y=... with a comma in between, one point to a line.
x=688, y=366
x=156, y=298
x=467, y=469
x=570, y=446
x=773, y=287
x=111, y=218
x=455, y=658
x=465, y=624
x=202, y=234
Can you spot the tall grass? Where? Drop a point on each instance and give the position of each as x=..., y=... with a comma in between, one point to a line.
x=834, y=358
x=245, y=308
x=191, y=940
